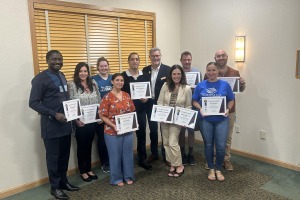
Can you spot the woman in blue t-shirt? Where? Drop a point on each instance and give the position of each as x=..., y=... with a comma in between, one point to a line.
x=214, y=128
x=103, y=79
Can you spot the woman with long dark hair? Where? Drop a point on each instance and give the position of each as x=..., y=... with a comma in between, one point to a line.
x=175, y=92
x=86, y=90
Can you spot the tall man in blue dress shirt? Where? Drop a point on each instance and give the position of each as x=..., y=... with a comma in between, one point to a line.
x=49, y=90
x=157, y=74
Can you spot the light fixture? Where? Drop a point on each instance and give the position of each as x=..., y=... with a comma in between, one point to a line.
x=240, y=49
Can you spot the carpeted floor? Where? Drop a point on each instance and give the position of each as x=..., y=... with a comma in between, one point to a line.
x=242, y=183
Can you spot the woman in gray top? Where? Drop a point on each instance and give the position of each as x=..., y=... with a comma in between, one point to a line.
x=86, y=90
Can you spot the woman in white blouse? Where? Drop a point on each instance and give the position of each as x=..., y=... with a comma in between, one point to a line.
x=86, y=90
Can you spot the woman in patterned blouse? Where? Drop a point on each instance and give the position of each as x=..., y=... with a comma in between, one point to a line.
x=119, y=147
x=86, y=90
x=175, y=93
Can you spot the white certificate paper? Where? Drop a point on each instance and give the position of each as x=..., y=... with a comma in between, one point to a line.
x=234, y=83
x=140, y=90
x=185, y=117
x=72, y=109
x=126, y=123
x=192, y=78
x=162, y=114
x=215, y=105
x=90, y=114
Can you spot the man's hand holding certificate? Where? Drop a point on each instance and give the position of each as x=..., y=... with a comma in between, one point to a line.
x=234, y=83
x=126, y=123
x=162, y=114
x=193, y=78
x=140, y=90
x=72, y=109
x=215, y=105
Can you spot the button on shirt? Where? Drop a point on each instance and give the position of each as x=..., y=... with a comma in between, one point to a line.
x=154, y=73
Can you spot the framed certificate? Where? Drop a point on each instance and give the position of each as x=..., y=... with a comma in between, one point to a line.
x=162, y=114
x=192, y=78
x=90, y=114
x=140, y=90
x=72, y=109
x=233, y=82
x=215, y=105
x=185, y=117
x=126, y=123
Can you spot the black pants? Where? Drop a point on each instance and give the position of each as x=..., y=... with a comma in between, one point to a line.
x=101, y=145
x=84, y=137
x=153, y=126
x=141, y=135
x=57, y=158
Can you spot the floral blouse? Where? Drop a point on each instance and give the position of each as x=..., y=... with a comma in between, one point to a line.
x=111, y=106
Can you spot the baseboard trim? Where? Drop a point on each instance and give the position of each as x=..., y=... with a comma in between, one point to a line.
x=27, y=186
x=42, y=181
x=266, y=159
x=262, y=158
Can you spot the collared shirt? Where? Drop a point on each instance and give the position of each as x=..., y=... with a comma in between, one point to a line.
x=154, y=73
x=135, y=77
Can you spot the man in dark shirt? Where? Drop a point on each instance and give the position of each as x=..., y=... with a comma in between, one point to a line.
x=49, y=90
x=157, y=74
x=133, y=74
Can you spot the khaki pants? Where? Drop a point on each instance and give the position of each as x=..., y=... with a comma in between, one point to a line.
x=229, y=137
x=170, y=133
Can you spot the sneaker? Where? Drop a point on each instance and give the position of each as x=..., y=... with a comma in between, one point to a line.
x=105, y=168
x=184, y=160
x=227, y=165
x=191, y=160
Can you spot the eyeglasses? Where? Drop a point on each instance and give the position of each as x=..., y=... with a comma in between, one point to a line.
x=155, y=56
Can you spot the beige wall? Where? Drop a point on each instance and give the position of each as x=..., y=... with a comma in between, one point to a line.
x=270, y=101
x=22, y=150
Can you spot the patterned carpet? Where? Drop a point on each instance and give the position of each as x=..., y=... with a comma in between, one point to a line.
x=154, y=184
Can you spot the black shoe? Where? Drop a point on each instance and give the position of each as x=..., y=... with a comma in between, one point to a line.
x=105, y=168
x=59, y=194
x=191, y=160
x=93, y=177
x=152, y=158
x=184, y=160
x=69, y=187
x=145, y=165
x=88, y=179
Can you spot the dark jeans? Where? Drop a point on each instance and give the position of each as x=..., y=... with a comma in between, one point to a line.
x=57, y=158
x=215, y=133
x=84, y=137
x=101, y=145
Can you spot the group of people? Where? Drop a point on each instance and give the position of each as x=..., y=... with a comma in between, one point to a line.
x=168, y=87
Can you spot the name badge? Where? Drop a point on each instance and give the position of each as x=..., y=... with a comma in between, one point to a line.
x=61, y=88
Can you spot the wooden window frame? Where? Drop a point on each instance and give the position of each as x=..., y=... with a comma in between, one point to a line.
x=83, y=9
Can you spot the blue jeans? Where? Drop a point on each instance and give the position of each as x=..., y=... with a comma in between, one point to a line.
x=120, y=153
x=215, y=133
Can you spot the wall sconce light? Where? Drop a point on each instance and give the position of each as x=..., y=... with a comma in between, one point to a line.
x=240, y=49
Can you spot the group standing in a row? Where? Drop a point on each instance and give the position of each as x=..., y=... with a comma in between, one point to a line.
x=169, y=87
